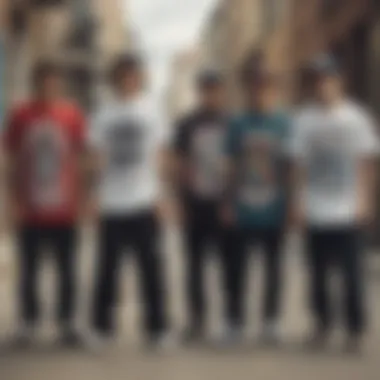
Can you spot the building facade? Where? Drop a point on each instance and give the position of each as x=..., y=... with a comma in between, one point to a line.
x=3, y=25
x=228, y=37
x=346, y=28
x=290, y=32
x=181, y=95
x=83, y=35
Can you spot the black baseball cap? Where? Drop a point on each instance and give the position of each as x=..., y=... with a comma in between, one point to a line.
x=324, y=65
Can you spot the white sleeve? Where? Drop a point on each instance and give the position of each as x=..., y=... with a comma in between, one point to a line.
x=366, y=138
x=162, y=128
x=95, y=135
x=296, y=144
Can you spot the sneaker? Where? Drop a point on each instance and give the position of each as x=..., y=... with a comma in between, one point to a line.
x=231, y=336
x=270, y=334
x=353, y=345
x=192, y=335
x=24, y=337
x=317, y=341
x=98, y=342
x=71, y=339
x=162, y=342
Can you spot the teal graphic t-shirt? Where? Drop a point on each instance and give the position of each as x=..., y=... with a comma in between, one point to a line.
x=256, y=143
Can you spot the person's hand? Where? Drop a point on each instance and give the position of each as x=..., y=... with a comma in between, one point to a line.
x=227, y=215
x=296, y=219
x=90, y=213
x=365, y=215
x=15, y=215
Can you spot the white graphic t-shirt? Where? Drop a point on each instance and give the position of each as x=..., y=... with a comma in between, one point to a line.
x=330, y=143
x=129, y=136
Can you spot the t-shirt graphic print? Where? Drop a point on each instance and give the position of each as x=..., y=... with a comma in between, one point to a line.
x=207, y=154
x=258, y=177
x=125, y=141
x=44, y=150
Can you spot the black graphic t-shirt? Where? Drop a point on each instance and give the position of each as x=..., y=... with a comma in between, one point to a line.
x=199, y=140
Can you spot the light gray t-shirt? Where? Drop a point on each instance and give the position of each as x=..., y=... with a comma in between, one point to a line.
x=330, y=143
x=129, y=136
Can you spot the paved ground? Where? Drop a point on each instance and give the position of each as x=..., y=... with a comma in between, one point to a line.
x=126, y=360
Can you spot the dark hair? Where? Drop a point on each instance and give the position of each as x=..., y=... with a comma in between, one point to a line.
x=251, y=66
x=123, y=63
x=207, y=79
x=45, y=69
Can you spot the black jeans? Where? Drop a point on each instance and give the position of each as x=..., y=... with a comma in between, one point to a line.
x=31, y=241
x=203, y=230
x=336, y=249
x=270, y=240
x=139, y=232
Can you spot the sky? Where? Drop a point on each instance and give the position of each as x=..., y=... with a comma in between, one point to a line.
x=164, y=27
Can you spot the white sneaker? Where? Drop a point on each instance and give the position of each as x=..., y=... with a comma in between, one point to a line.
x=24, y=337
x=270, y=334
x=163, y=342
x=230, y=336
x=97, y=343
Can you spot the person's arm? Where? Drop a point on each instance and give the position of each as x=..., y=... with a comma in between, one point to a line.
x=230, y=169
x=296, y=151
x=86, y=162
x=166, y=165
x=368, y=149
x=180, y=153
x=12, y=211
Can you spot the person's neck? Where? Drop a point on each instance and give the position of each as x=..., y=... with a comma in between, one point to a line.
x=332, y=103
x=261, y=110
x=210, y=110
x=46, y=100
x=128, y=96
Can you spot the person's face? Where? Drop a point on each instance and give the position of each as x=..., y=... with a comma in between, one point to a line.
x=213, y=97
x=328, y=88
x=130, y=81
x=51, y=86
x=262, y=95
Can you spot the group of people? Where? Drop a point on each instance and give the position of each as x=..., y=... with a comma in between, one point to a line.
x=240, y=181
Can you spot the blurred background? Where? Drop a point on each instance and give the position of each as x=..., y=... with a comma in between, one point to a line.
x=178, y=38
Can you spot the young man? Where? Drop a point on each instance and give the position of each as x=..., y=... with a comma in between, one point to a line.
x=255, y=199
x=334, y=146
x=129, y=137
x=199, y=149
x=44, y=139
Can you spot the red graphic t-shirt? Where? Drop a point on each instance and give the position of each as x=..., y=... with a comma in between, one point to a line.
x=44, y=142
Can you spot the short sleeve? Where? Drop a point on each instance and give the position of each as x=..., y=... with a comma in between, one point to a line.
x=366, y=138
x=296, y=140
x=164, y=131
x=232, y=139
x=95, y=136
